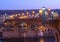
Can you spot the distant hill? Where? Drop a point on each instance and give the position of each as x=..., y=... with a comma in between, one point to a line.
x=24, y=11
x=16, y=11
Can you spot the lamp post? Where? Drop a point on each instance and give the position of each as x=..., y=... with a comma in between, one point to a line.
x=52, y=16
x=33, y=13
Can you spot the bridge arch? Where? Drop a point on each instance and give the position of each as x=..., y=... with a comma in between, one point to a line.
x=55, y=32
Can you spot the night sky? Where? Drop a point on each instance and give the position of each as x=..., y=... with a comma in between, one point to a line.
x=28, y=4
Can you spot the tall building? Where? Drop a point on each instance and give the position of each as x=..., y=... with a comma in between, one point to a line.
x=44, y=15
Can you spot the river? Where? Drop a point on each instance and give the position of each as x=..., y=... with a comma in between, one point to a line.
x=40, y=39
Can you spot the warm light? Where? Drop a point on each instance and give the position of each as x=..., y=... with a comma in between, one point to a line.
x=22, y=17
x=27, y=13
x=40, y=12
x=16, y=15
x=33, y=12
x=11, y=17
x=42, y=40
x=22, y=14
x=5, y=23
x=41, y=28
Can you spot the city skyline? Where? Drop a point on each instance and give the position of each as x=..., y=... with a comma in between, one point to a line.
x=28, y=4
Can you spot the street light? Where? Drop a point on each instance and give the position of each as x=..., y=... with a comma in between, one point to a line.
x=6, y=24
x=11, y=17
x=49, y=9
x=27, y=13
x=41, y=28
x=22, y=14
x=40, y=11
x=16, y=15
x=33, y=12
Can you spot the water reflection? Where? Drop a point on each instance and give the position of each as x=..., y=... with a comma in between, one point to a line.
x=47, y=39
x=42, y=40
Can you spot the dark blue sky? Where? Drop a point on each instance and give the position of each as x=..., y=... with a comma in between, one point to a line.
x=28, y=4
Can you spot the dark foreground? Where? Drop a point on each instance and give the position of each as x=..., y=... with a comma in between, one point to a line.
x=40, y=39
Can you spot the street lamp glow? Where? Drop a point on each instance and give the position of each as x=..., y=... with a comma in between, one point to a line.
x=5, y=23
x=16, y=15
x=23, y=17
x=41, y=28
x=33, y=12
x=11, y=17
x=27, y=13
x=42, y=40
x=40, y=12
x=22, y=14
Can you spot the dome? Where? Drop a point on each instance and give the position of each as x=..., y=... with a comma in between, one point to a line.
x=44, y=8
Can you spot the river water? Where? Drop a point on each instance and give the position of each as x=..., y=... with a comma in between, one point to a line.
x=40, y=39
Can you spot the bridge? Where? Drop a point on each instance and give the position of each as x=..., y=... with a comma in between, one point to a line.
x=31, y=26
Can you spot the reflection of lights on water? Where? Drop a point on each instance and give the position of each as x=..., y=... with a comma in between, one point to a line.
x=41, y=33
x=41, y=40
